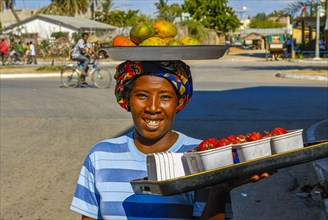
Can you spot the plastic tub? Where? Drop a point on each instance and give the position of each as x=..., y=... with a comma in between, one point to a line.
x=164, y=166
x=194, y=162
x=286, y=142
x=252, y=150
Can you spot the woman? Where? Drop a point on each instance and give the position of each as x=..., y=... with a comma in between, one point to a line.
x=153, y=92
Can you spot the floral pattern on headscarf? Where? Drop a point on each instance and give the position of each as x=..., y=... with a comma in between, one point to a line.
x=176, y=72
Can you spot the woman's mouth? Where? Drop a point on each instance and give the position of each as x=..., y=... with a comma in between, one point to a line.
x=152, y=122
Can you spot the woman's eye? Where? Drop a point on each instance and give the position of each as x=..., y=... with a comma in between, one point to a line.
x=166, y=97
x=141, y=96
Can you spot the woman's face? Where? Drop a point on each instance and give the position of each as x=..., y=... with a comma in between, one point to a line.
x=153, y=104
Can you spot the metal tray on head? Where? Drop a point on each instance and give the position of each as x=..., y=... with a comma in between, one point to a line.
x=153, y=53
x=223, y=175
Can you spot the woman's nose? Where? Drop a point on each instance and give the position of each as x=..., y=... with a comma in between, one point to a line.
x=153, y=105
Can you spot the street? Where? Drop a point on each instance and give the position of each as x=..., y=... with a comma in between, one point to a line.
x=46, y=131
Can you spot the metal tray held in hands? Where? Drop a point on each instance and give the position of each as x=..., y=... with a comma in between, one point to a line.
x=310, y=152
x=153, y=53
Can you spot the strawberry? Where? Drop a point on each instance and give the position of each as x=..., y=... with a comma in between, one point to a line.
x=207, y=144
x=223, y=142
x=278, y=131
x=231, y=138
x=254, y=136
x=241, y=138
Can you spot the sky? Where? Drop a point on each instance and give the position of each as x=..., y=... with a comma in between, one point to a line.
x=243, y=8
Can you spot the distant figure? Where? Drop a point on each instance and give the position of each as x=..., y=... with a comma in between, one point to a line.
x=228, y=43
x=322, y=44
x=4, y=50
x=289, y=45
x=32, y=54
x=27, y=53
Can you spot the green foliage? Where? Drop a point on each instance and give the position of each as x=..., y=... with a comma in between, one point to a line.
x=65, y=7
x=261, y=20
x=215, y=15
x=76, y=36
x=168, y=12
x=46, y=68
x=196, y=29
x=57, y=35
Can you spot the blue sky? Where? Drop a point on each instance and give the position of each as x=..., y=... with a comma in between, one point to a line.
x=147, y=6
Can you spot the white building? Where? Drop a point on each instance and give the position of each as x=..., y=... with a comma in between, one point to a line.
x=45, y=25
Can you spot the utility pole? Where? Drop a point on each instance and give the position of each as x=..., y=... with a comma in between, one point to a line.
x=317, y=41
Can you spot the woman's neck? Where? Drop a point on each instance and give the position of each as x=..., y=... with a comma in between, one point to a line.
x=147, y=146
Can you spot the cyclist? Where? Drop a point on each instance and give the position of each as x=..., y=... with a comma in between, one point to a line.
x=82, y=52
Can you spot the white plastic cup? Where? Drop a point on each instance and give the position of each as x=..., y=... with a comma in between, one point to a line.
x=253, y=150
x=286, y=142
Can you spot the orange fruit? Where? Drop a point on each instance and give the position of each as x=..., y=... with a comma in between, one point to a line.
x=264, y=175
x=120, y=40
x=189, y=41
x=165, y=29
x=141, y=31
x=153, y=41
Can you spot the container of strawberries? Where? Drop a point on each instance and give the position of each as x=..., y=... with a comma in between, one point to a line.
x=209, y=154
x=283, y=140
x=250, y=146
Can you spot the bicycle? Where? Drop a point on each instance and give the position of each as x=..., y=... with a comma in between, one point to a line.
x=70, y=75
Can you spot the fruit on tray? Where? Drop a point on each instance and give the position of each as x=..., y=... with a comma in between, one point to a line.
x=153, y=41
x=254, y=136
x=276, y=131
x=141, y=31
x=189, y=41
x=120, y=40
x=160, y=33
x=207, y=144
x=165, y=29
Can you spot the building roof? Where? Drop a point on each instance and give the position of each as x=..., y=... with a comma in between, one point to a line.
x=264, y=31
x=73, y=22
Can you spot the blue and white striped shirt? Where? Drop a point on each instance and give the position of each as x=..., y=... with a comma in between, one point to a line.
x=103, y=190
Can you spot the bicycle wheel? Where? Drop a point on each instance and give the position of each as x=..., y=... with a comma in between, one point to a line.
x=102, y=78
x=70, y=78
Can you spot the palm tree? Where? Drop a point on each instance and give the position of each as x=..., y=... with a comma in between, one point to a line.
x=9, y=4
x=104, y=3
x=65, y=7
x=300, y=6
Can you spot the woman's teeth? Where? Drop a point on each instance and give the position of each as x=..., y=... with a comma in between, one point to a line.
x=152, y=122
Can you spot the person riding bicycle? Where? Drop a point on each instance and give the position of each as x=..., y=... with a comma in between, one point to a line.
x=82, y=52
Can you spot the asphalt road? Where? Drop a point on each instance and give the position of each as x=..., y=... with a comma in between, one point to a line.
x=47, y=130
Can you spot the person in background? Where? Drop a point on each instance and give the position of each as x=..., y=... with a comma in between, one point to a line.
x=4, y=50
x=289, y=46
x=32, y=54
x=153, y=92
x=27, y=53
x=20, y=50
x=82, y=51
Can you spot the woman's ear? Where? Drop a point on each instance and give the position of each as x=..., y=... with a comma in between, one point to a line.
x=181, y=102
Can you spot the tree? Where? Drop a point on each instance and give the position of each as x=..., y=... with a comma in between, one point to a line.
x=302, y=7
x=65, y=7
x=168, y=12
x=261, y=20
x=213, y=14
x=9, y=4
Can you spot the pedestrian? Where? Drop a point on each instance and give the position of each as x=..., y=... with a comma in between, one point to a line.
x=20, y=50
x=32, y=54
x=4, y=50
x=289, y=46
x=153, y=92
x=27, y=53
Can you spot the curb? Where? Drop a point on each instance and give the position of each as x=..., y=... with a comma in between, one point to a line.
x=28, y=75
x=292, y=76
x=323, y=61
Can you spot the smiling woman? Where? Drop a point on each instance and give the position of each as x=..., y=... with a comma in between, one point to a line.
x=153, y=92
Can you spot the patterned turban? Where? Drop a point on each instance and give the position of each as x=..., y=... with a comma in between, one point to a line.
x=176, y=72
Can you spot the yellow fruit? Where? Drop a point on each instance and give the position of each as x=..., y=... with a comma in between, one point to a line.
x=165, y=29
x=153, y=41
x=189, y=41
x=141, y=31
x=173, y=42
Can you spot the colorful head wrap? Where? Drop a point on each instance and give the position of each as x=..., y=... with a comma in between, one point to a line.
x=176, y=72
